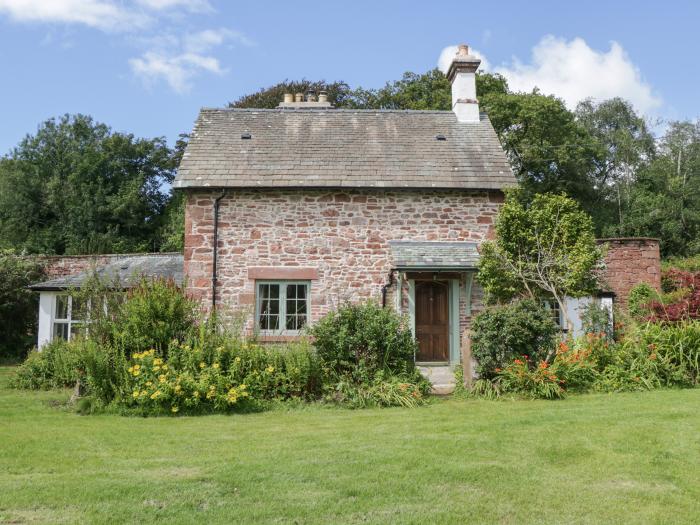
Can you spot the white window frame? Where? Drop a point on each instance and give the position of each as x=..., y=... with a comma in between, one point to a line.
x=551, y=305
x=68, y=321
x=282, y=283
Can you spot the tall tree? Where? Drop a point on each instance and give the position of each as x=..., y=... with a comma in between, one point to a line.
x=665, y=200
x=543, y=249
x=270, y=97
x=625, y=145
x=78, y=187
x=422, y=91
x=549, y=151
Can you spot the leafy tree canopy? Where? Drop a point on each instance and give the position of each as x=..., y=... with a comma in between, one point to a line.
x=18, y=304
x=664, y=200
x=543, y=248
x=78, y=187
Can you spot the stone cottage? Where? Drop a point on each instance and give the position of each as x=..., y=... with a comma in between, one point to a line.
x=292, y=211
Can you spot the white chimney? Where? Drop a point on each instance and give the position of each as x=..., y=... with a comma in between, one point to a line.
x=462, y=75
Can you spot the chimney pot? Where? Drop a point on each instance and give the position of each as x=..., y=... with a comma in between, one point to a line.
x=288, y=98
x=462, y=76
x=323, y=96
x=299, y=97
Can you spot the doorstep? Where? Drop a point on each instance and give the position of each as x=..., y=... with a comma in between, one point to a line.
x=441, y=377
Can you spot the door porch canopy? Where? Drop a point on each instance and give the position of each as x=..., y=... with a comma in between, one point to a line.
x=437, y=256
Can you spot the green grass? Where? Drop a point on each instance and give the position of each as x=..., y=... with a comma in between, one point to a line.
x=625, y=458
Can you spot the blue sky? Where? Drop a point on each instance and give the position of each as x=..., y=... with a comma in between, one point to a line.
x=147, y=66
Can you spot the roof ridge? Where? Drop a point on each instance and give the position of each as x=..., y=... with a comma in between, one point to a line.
x=332, y=110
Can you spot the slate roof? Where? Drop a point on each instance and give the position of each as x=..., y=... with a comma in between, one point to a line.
x=292, y=148
x=415, y=255
x=127, y=271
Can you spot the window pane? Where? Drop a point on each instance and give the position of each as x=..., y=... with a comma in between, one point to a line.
x=77, y=310
x=269, y=318
x=76, y=330
x=296, y=305
x=61, y=307
x=60, y=330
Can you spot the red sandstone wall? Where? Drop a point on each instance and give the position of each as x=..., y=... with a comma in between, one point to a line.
x=630, y=261
x=61, y=265
x=343, y=235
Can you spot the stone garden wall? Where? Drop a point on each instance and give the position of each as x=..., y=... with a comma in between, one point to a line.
x=630, y=261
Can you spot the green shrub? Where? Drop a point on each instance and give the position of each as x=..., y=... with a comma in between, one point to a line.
x=382, y=391
x=362, y=339
x=655, y=355
x=57, y=365
x=640, y=297
x=18, y=305
x=154, y=313
x=105, y=371
x=538, y=382
x=575, y=365
x=235, y=376
x=595, y=319
x=505, y=332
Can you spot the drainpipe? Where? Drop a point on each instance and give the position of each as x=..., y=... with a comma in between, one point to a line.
x=387, y=286
x=216, y=250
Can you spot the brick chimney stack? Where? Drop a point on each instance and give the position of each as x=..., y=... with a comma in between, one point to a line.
x=462, y=76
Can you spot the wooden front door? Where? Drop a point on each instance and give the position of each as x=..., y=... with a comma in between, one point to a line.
x=432, y=321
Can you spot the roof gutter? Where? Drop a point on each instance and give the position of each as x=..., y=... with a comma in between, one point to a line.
x=215, y=249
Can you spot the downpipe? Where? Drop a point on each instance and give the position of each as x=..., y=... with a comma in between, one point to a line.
x=215, y=252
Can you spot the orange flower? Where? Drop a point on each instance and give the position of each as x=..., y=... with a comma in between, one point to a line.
x=518, y=362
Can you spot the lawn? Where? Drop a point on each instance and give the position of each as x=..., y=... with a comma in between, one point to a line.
x=625, y=458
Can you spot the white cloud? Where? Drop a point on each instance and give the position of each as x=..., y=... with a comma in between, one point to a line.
x=194, y=6
x=203, y=41
x=177, y=71
x=573, y=71
x=165, y=55
x=177, y=61
x=449, y=52
x=105, y=15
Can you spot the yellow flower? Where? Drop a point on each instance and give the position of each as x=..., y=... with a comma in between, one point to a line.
x=134, y=356
x=143, y=393
x=158, y=361
x=175, y=409
x=161, y=378
x=238, y=359
x=136, y=373
x=130, y=369
x=178, y=388
x=137, y=367
x=216, y=365
x=135, y=394
x=270, y=369
x=164, y=367
x=202, y=365
x=149, y=383
x=155, y=394
x=196, y=394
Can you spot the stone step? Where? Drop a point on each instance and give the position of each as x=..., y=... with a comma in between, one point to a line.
x=441, y=377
